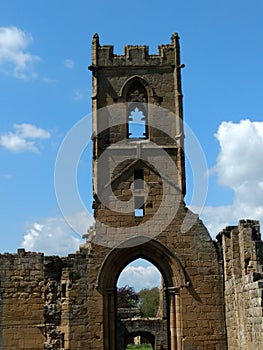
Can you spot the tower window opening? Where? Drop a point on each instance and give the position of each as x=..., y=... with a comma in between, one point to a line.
x=62, y=340
x=137, y=128
x=138, y=206
x=63, y=290
x=138, y=187
x=138, y=179
x=138, y=212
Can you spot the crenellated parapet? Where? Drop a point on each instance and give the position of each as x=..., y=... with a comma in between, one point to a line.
x=242, y=253
x=134, y=55
x=242, y=249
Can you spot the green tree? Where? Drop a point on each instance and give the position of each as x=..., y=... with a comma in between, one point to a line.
x=149, y=301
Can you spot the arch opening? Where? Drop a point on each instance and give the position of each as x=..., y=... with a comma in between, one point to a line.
x=174, y=278
x=141, y=306
x=135, y=93
x=141, y=273
x=137, y=127
x=143, y=247
x=139, y=340
x=139, y=289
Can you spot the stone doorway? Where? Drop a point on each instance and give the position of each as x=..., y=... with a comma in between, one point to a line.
x=142, y=337
x=166, y=330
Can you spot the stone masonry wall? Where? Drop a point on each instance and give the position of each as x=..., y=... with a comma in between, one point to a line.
x=75, y=303
x=43, y=302
x=160, y=76
x=53, y=302
x=242, y=249
x=196, y=307
x=202, y=304
x=21, y=301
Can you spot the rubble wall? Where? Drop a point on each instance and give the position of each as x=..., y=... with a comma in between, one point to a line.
x=242, y=250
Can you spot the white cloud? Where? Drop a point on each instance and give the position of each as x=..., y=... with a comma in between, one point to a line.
x=80, y=221
x=239, y=167
x=31, y=131
x=15, y=143
x=140, y=277
x=22, y=139
x=69, y=64
x=217, y=218
x=53, y=236
x=14, y=57
x=240, y=157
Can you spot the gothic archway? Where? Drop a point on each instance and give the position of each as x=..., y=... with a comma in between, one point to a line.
x=173, y=274
x=137, y=93
x=146, y=335
x=134, y=81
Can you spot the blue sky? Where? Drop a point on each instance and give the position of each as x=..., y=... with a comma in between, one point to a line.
x=45, y=49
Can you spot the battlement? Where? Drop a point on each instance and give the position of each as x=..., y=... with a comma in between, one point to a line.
x=21, y=253
x=135, y=55
x=242, y=249
x=242, y=253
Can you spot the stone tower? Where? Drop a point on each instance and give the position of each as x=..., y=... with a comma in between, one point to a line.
x=139, y=188
x=212, y=293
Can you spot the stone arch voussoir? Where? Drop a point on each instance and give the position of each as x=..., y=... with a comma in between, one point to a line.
x=157, y=253
x=130, y=81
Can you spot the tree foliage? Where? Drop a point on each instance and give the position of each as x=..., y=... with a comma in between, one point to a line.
x=149, y=301
x=127, y=297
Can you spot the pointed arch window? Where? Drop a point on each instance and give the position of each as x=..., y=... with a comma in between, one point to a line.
x=137, y=112
x=137, y=124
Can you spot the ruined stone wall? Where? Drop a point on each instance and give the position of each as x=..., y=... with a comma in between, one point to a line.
x=43, y=302
x=21, y=301
x=75, y=302
x=242, y=249
x=202, y=310
x=52, y=302
x=202, y=302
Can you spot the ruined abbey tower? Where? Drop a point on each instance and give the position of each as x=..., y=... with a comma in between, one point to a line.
x=212, y=290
